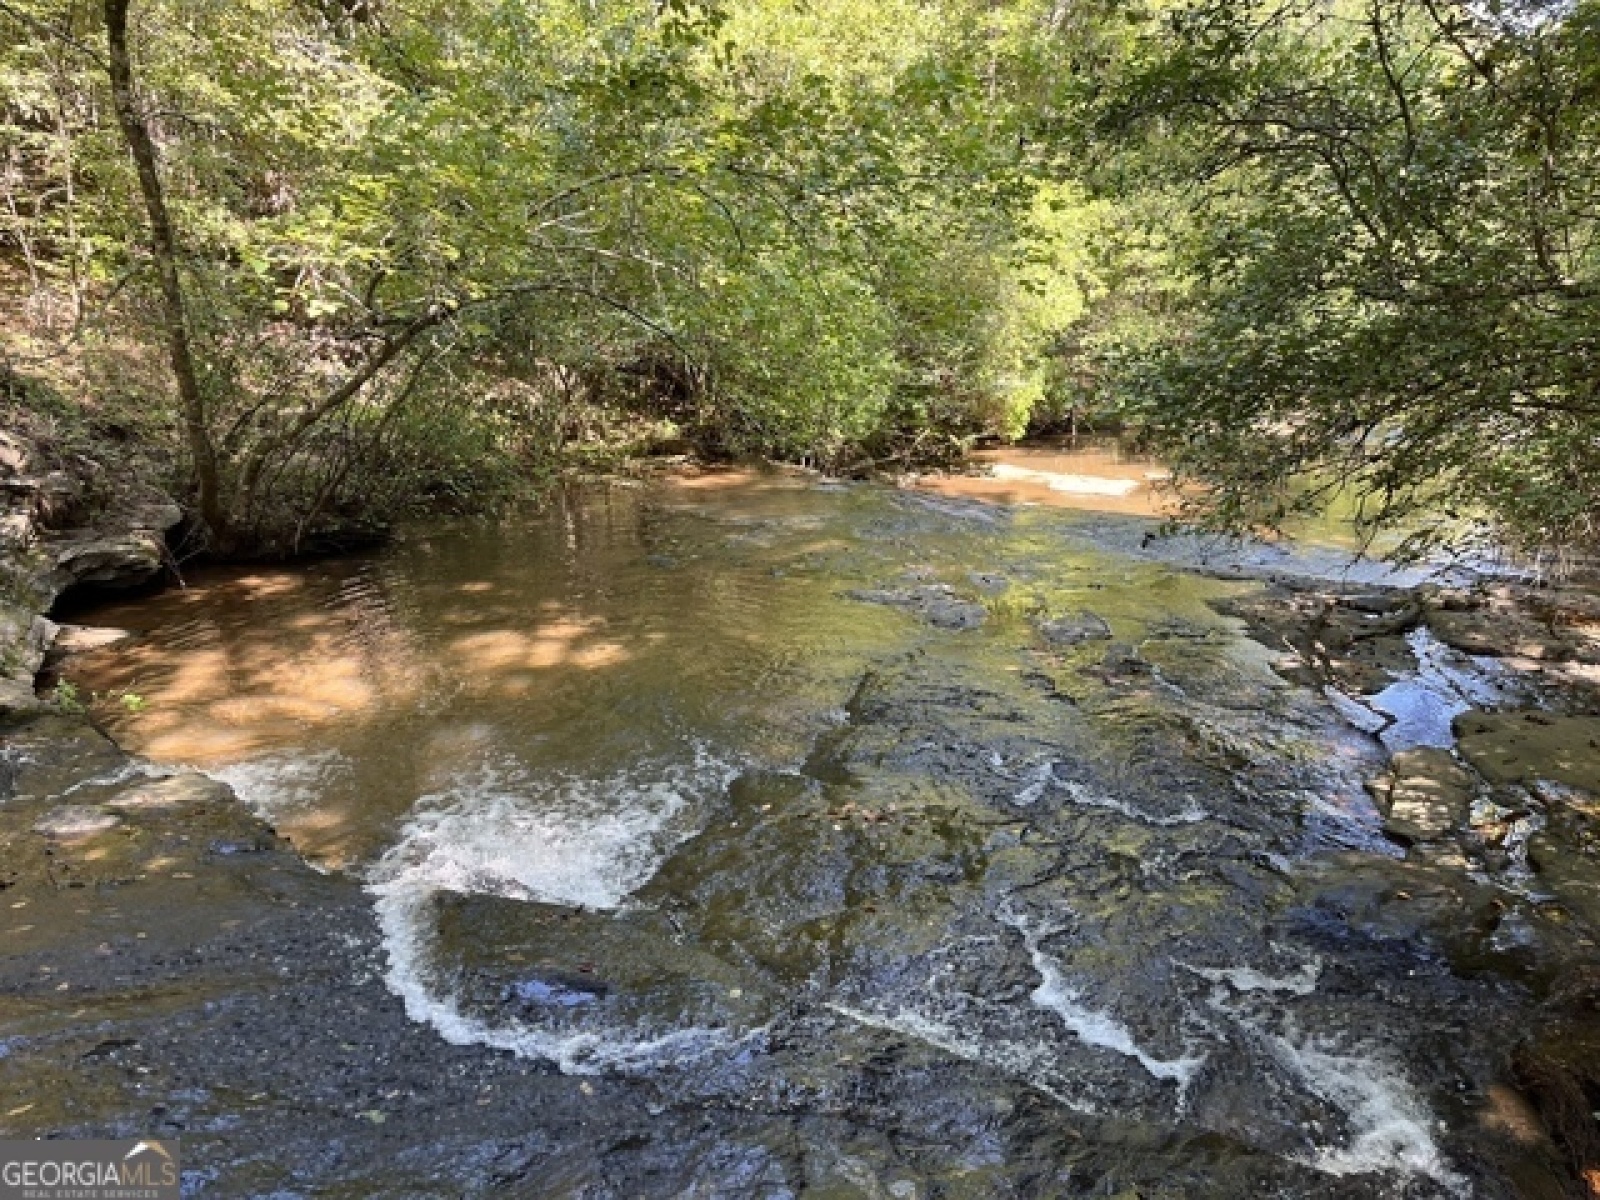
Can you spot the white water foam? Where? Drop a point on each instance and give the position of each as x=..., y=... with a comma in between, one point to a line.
x=134, y=768
x=1014, y=1061
x=1044, y=778
x=1038, y=784
x=1189, y=814
x=1389, y=1123
x=1247, y=979
x=581, y=842
x=275, y=784
x=1091, y=1026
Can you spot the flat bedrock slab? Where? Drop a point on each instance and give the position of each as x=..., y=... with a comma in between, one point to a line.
x=1521, y=745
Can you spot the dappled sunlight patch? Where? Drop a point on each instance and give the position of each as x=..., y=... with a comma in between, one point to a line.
x=251, y=709
x=190, y=678
x=748, y=495
x=205, y=706
x=476, y=614
x=600, y=654
x=569, y=642
x=1073, y=484
x=311, y=621
x=204, y=743
x=242, y=678
x=1095, y=477
x=267, y=584
x=511, y=685
x=719, y=480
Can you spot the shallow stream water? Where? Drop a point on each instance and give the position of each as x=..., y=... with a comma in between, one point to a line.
x=973, y=825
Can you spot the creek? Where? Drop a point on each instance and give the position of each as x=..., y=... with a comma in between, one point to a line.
x=972, y=833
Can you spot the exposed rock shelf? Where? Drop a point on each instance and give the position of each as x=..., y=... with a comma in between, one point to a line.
x=62, y=528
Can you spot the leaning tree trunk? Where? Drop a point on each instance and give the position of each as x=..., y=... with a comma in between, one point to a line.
x=163, y=247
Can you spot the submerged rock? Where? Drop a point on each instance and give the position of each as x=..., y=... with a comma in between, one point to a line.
x=75, y=821
x=936, y=603
x=989, y=581
x=1074, y=629
x=1356, y=640
x=187, y=790
x=573, y=968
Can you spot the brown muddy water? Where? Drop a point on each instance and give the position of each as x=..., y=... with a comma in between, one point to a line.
x=1103, y=474
x=970, y=840
x=1090, y=474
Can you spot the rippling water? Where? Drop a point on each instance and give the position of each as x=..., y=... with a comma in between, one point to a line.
x=970, y=824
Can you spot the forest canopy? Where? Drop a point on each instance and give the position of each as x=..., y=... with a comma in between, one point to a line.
x=352, y=258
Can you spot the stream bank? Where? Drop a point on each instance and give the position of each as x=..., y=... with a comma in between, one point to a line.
x=68, y=524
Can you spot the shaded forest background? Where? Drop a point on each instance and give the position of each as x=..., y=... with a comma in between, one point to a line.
x=317, y=265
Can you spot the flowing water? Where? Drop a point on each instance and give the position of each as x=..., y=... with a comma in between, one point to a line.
x=971, y=831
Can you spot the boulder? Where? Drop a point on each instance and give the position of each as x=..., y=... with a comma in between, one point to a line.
x=123, y=549
x=115, y=561
x=24, y=638
x=15, y=455
x=572, y=970
x=1521, y=745
x=1074, y=629
x=1498, y=633
x=1425, y=796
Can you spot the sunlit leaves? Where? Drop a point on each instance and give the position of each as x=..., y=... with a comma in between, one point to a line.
x=1396, y=280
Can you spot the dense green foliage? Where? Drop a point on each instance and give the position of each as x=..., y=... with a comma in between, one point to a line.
x=415, y=238
x=1393, y=280
x=420, y=251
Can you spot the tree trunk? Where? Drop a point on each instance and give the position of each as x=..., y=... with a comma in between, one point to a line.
x=162, y=245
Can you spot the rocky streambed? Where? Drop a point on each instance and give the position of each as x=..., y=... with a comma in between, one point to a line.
x=751, y=837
